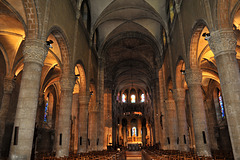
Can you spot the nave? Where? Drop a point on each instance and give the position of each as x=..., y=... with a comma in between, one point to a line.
x=86, y=77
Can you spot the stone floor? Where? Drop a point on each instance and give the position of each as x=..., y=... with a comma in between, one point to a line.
x=134, y=155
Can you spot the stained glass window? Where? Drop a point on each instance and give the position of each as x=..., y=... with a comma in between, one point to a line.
x=221, y=104
x=46, y=111
x=124, y=98
x=134, y=131
x=142, y=98
x=133, y=98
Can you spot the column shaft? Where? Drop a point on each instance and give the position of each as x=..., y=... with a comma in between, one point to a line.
x=172, y=124
x=93, y=130
x=34, y=52
x=83, y=122
x=8, y=88
x=64, y=123
x=179, y=95
x=223, y=44
x=194, y=78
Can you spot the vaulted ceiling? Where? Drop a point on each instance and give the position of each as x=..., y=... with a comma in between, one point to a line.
x=130, y=35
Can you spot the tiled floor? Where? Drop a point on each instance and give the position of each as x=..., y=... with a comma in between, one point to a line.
x=133, y=155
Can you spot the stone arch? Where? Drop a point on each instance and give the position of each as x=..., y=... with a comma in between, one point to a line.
x=63, y=43
x=223, y=17
x=6, y=59
x=180, y=71
x=235, y=9
x=192, y=55
x=32, y=18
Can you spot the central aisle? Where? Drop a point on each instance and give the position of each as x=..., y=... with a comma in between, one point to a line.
x=134, y=155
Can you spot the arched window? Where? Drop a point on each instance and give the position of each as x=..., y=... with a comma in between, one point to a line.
x=124, y=98
x=134, y=131
x=133, y=98
x=142, y=98
x=220, y=100
x=171, y=10
x=164, y=38
x=46, y=110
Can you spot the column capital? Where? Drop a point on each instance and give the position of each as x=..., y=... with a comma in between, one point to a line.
x=193, y=76
x=67, y=82
x=35, y=50
x=9, y=85
x=222, y=41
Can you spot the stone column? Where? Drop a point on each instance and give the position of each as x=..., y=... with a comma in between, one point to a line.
x=179, y=95
x=156, y=111
x=64, y=123
x=129, y=129
x=124, y=136
x=34, y=53
x=93, y=130
x=212, y=123
x=56, y=126
x=144, y=135
x=100, y=104
x=223, y=44
x=83, y=122
x=75, y=118
x=9, y=85
x=194, y=79
x=172, y=124
x=120, y=134
x=139, y=127
x=162, y=115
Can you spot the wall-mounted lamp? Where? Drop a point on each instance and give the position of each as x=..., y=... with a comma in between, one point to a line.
x=49, y=43
x=77, y=76
x=91, y=93
x=182, y=71
x=206, y=35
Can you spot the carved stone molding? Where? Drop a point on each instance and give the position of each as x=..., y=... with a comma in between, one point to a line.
x=223, y=41
x=193, y=76
x=9, y=85
x=35, y=51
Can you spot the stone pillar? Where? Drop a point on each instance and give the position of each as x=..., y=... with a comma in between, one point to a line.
x=34, y=53
x=223, y=44
x=162, y=115
x=212, y=123
x=9, y=85
x=93, y=130
x=179, y=95
x=83, y=122
x=75, y=119
x=100, y=104
x=129, y=129
x=139, y=127
x=156, y=112
x=124, y=136
x=56, y=126
x=172, y=124
x=194, y=78
x=64, y=123
x=120, y=134
x=144, y=135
